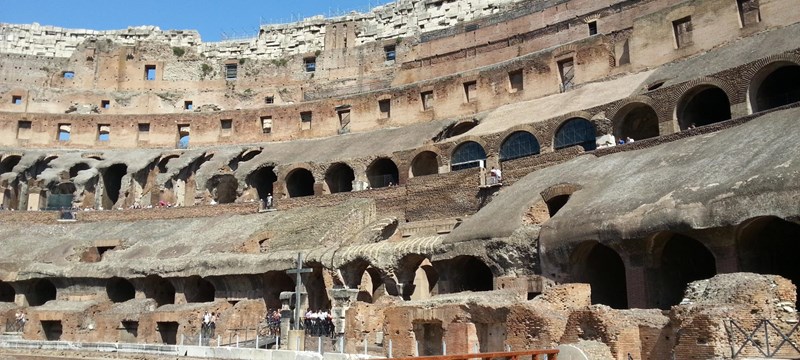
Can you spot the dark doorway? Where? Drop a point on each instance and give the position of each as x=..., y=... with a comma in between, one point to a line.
x=129, y=331
x=75, y=169
x=263, y=181
x=120, y=290
x=463, y=273
x=159, y=289
x=769, y=245
x=199, y=290
x=52, y=330
x=300, y=182
x=8, y=163
x=555, y=204
x=276, y=282
x=168, y=331
x=425, y=163
x=704, y=105
x=683, y=260
x=7, y=292
x=382, y=173
x=41, y=292
x=603, y=269
x=779, y=88
x=429, y=336
x=339, y=178
x=112, y=182
x=637, y=121
x=317, y=291
x=224, y=188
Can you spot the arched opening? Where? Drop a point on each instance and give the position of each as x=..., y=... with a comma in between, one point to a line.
x=199, y=290
x=371, y=286
x=249, y=155
x=425, y=163
x=462, y=128
x=276, y=282
x=382, y=173
x=467, y=155
x=75, y=169
x=519, y=144
x=263, y=180
x=425, y=279
x=463, y=273
x=636, y=121
x=682, y=261
x=703, y=105
x=576, y=131
x=41, y=292
x=162, y=164
x=112, y=182
x=555, y=203
x=224, y=188
x=769, y=245
x=316, y=288
x=780, y=86
x=300, y=182
x=120, y=290
x=159, y=289
x=603, y=269
x=339, y=178
x=7, y=292
x=8, y=163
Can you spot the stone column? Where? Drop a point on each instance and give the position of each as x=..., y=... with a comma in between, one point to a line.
x=342, y=299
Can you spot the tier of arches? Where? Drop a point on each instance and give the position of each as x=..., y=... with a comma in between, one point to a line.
x=657, y=277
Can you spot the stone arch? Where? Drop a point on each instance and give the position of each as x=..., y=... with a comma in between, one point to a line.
x=774, y=85
x=198, y=290
x=339, y=178
x=680, y=260
x=120, y=290
x=466, y=155
x=75, y=169
x=603, y=269
x=316, y=288
x=463, y=273
x=162, y=163
x=769, y=245
x=557, y=196
x=636, y=120
x=704, y=104
x=425, y=163
x=462, y=128
x=41, y=291
x=300, y=182
x=575, y=131
x=263, y=180
x=249, y=154
x=519, y=144
x=8, y=163
x=276, y=282
x=159, y=289
x=112, y=183
x=223, y=188
x=382, y=172
x=7, y=292
x=418, y=276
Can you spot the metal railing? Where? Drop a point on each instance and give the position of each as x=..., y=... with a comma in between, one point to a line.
x=766, y=338
x=546, y=354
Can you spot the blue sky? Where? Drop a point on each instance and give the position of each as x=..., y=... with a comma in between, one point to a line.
x=213, y=19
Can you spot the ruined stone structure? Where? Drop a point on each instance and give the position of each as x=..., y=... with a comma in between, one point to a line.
x=372, y=134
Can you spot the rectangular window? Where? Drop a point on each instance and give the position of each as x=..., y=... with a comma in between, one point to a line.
x=231, y=71
x=427, y=100
x=592, y=28
x=385, y=107
x=226, y=127
x=310, y=64
x=266, y=124
x=749, y=12
x=566, y=68
x=144, y=131
x=683, y=32
x=16, y=100
x=105, y=104
x=516, y=81
x=390, y=52
x=69, y=75
x=470, y=89
x=24, y=130
x=269, y=100
x=344, y=118
x=64, y=132
x=187, y=105
x=305, y=120
x=150, y=72
x=103, y=132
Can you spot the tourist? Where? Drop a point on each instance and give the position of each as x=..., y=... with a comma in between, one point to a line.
x=269, y=201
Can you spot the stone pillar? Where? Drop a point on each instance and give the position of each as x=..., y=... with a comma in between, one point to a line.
x=34, y=199
x=343, y=299
x=635, y=286
x=286, y=317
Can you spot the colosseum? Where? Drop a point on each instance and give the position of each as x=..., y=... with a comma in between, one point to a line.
x=613, y=179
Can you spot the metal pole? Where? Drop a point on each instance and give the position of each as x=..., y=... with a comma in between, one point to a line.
x=319, y=344
x=365, y=345
x=416, y=348
x=277, y=342
x=237, y=340
x=200, y=339
x=256, y=340
x=444, y=347
x=390, y=348
x=341, y=345
x=182, y=336
x=219, y=340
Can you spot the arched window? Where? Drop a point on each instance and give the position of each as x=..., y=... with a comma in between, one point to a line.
x=467, y=155
x=519, y=144
x=576, y=131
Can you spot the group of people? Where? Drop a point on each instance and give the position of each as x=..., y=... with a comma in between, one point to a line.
x=318, y=323
x=209, y=325
x=273, y=320
x=624, y=141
